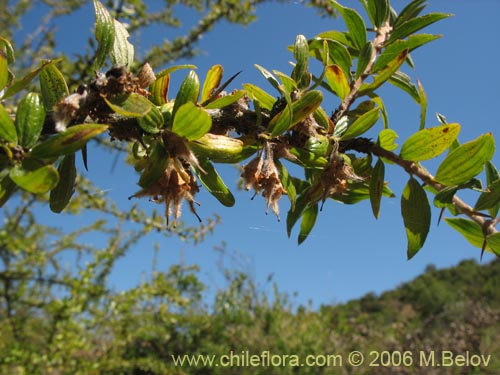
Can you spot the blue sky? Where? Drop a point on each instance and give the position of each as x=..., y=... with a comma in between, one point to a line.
x=349, y=253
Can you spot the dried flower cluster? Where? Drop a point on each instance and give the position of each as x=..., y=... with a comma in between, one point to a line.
x=261, y=174
x=176, y=184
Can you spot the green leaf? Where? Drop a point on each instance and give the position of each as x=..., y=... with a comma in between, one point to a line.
x=7, y=127
x=30, y=117
x=7, y=188
x=8, y=51
x=423, y=104
x=300, y=109
x=130, y=105
x=191, y=122
x=214, y=183
x=416, y=213
x=493, y=243
x=61, y=194
x=403, y=81
x=386, y=139
x=37, y=181
x=212, y=81
x=469, y=229
x=300, y=72
x=377, y=187
x=287, y=182
x=307, y=224
x=26, y=80
x=4, y=70
x=296, y=212
x=159, y=90
x=492, y=175
x=364, y=59
x=337, y=52
x=378, y=10
x=174, y=68
x=269, y=76
x=489, y=198
x=362, y=124
x=354, y=23
x=156, y=164
x=152, y=121
x=188, y=92
x=226, y=100
x=122, y=52
x=415, y=24
x=412, y=10
x=255, y=93
x=384, y=74
x=53, y=86
x=429, y=143
x=337, y=81
x=394, y=49
x=466, y=161
x=288, y=83
x=104, y=34
x=221, y=149
x=67, y=142
x=322, y=118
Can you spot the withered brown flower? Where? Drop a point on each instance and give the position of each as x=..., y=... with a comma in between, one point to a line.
x=175, y=185
x=261, y=174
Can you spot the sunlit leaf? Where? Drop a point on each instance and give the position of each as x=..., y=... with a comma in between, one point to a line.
x=67, y=142
x=188, y=91
x=492, y=175
x=384, y=74
x=269, y=76
x=386, y=139
x=36, y=181
x=362, y=124
x=7, y=127
x=394, y=49
x=415, y=24
x=338, y=54
x=255, y=93
x=4, y=70
x=416, y=213
x=423, y=104
x=430, y=142
x=104, y=34
x=337, y=81
x=122, y=52
x=25, y=81
x=191, y=122
x=354, y=23
x=226, y=100
x=412, y=10
x=403, y=81
x=159, y=90
x=466, y=161
x=53, y=86
x=212, y=81
x=30, y=117
x=300, y=72
x=469, y=229
x=300, y=109
x=378, y=11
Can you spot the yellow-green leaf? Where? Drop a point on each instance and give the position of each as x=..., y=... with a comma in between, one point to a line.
x=362, y=124
x=430, y=142
x=188, y=92
x=7, y=127
x=37, y=181
x=337, y=80
x=255, y=93
x=4, y=70
x=122, y=52
x=67, y=142
x=466, y=161
x=212, y=81
x=191, y=122
x=104, y=34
